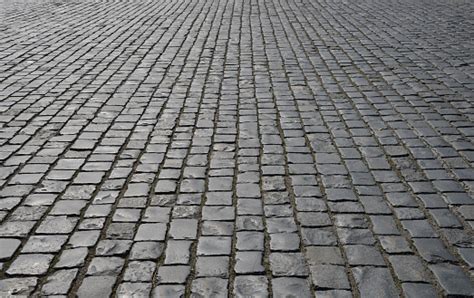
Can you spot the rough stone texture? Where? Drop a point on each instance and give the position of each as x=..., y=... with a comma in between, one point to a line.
x=330, y=277
x=9, y=246
x=30, y=264
x=287, y=286
x=374, y=281
x=173, y=274
x=139, y=271
x=250, y=286
x=249, y=148
x=108, y=266
x=22, y=286
x=135, y=289
x=413, y=290
x=96, y=285
x=288, y=264
x=169, y=291
x=209, y=287
x=72, y=258
x=453, y=280
x=59, y=282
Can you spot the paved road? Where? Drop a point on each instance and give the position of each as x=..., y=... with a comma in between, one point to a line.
x=237, y=147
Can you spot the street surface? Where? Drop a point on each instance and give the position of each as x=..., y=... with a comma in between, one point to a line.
x=247, y=148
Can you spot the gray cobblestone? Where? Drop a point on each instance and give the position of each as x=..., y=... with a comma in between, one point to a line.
x=105, y=266
x=173, y=274
x=30, y=264
x=453, y=279
x=212, y=266
x=209, y=287
x=96, y=285
x=137, y=271
x=59, y=282
x=168, y=291
x=418, y=290
x=284, y=286
x=44, y=244
x=288, y=264
x=72, y=258
x=329, y=277
x=9, y=246
x=374, y=281
x=18, y=286
x=136, y=289
x=250, y=286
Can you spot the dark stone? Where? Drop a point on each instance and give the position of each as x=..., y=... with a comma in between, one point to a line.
x=250, y=286
x=452, y=279
x=374, y=282
x=288, y=264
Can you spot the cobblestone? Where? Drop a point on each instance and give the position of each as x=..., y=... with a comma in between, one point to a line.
x=250, y=148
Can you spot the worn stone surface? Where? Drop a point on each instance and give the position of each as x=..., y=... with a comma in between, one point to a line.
x=105, y=266
x=249, y=148
x=30, y=264
x=418, y=290
x=288, y=264
x=59, y=282
x=96, y=285
x=212, y=266
x=137, y=271
x=209, y=287
x=329, y=277
x=374, y=281
x=22, y=286
x=247, y=262
x=72, y=258
x=43, y=244
x=173, y=274
x=134, y=289
x=169, y=291
x=250, y=286
x=287, y=286
x=9, y=246
x=453, y=280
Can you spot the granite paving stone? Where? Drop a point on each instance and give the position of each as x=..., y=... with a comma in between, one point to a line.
x=178, y=252
x=409, y=268
x=285, y=286
x=139, y=271
x=173, y=274
x=288, y=264
x=418, y=290
x=209, y=287
x=9, y=246
x=30, y=264
x=71, y=258
x=213, y=266
x=374, y=281
x=146, y=250
x=432, y=250
x=168, y=291
x=329, y=277
x=135, y=289
x=249, y=262
x=105, y=266
x=453, y=280
x=22, y=286
x=59, y=282
x=96, y=285
x=250, y=285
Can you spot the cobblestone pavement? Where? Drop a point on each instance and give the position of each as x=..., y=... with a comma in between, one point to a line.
x=237, y=147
